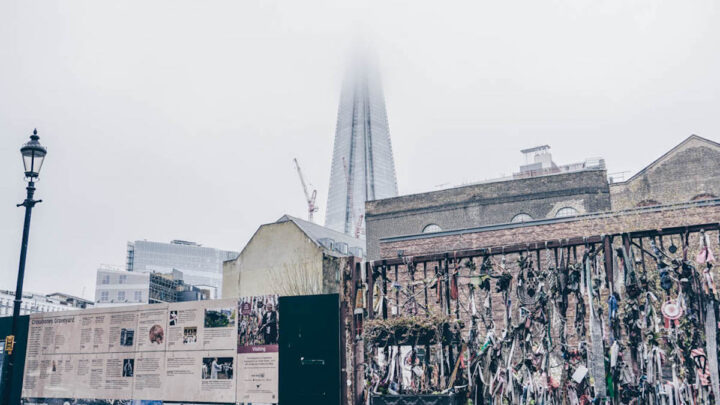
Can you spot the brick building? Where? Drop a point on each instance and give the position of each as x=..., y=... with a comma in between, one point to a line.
x=548, y=279
x=489, y=203
x=543, y=190
x=441, y=273
x=688, y=172
x=557, y=230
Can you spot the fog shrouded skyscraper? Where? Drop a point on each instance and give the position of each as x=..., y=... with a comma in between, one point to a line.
x=362, y=166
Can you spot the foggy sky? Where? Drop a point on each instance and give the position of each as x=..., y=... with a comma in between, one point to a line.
x=179, y=119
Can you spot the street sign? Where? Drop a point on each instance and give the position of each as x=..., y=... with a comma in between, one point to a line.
x=9, y=343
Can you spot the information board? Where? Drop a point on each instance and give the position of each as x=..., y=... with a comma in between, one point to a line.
x=148, y=354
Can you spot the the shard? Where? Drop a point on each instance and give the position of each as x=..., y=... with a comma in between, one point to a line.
x=362, y=166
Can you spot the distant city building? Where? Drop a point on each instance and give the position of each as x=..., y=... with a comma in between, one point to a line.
x=200, y=266
x=291, y=257
x=362, y=166
x=116, y=287
x=71, y=300
x=34, y=303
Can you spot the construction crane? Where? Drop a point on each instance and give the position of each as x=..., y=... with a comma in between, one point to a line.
x=310, y=198
x=358, y=225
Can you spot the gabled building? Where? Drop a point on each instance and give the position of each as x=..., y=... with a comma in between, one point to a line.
x=290, y=257
x=688, y=172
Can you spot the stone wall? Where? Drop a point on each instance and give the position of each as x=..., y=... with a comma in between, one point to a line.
x=333, y=268
x=484, y=204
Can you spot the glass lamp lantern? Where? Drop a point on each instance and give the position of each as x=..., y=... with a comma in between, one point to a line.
x=33, y=155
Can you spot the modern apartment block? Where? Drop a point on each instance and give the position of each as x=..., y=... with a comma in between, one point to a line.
x=201, y=266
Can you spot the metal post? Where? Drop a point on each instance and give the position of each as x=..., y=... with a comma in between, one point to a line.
x=29, y=203
x=369, y=269
x=642, y=255
x=438, y=285
x=384, y=290
x=346, y=322
x=607, y=250
x=446, y=277
x=453, y=278
x=411, y=269
x=427, y=307
x=396, y=287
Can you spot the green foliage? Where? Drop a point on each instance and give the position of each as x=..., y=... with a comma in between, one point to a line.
x=411, y=330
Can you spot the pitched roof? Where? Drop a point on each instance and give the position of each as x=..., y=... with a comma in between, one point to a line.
x=317, y=232
x=657, y=161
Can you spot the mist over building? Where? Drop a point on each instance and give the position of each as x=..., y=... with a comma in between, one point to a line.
x=363, y=168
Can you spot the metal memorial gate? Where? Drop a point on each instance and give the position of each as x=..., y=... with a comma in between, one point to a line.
x=310, y=350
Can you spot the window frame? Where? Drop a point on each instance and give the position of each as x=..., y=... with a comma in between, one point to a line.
x=429, y=228
x=559, y=213
x=520, y=214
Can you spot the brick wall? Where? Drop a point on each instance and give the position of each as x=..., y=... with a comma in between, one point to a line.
x=635, y=220
x=484, y=204
x=688, y=171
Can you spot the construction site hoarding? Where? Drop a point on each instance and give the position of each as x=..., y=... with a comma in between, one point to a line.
x=150, y=354
x=257, y=349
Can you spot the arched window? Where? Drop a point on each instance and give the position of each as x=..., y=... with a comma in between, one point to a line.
x=431, y=228
x=704, y=196
x=522, y=217
x=648, y=203
x=566, y=212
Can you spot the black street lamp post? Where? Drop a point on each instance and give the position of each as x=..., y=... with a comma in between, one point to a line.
x=33, y=155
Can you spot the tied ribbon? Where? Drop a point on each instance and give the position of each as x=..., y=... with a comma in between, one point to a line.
x=709, y=282
x=612, y=308
x=701, y=366
x=453, y=287
x=705, y=255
